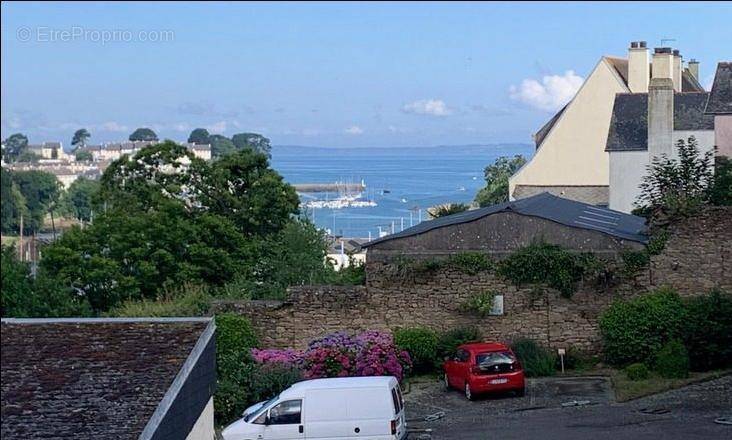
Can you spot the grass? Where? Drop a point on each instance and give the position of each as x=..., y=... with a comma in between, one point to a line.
x=626, y=389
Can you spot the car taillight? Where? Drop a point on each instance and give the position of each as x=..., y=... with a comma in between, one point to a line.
x=393, y=427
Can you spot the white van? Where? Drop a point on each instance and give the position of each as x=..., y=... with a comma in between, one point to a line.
x=339, y=408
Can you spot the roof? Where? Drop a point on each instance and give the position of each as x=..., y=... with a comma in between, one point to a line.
x=350, y=245
x=340, y=382
x=720, y=98
x=544, y=130
x=620, y=65
x=477, y=347
x=92, y=378
x=629, y=123
x=547, y=206
x=689, y=83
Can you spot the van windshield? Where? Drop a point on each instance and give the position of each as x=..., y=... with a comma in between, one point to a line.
x=250, y=415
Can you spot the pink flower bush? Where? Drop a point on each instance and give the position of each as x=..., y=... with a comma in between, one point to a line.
x=371, y=353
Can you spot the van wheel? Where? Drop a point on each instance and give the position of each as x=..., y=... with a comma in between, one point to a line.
x=446, y=382
x=468, y=392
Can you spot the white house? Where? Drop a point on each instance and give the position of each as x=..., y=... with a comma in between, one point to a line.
x=720, y=106
x=649, y=121
x=570, y=159
x=48, y=150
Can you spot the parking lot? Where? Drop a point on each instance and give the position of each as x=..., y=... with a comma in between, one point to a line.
x=571, y=408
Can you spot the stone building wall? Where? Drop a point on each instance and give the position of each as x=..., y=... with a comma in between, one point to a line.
x=695, y=259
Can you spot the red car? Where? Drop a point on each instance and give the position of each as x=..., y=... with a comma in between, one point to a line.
x=482, y=367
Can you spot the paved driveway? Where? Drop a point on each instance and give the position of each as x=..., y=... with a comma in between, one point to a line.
x=573, y=408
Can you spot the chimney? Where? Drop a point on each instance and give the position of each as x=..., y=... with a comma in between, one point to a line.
x=638, y=67
x=660, y=117
x=694, y=68
x=662, y=63
x=678, y=67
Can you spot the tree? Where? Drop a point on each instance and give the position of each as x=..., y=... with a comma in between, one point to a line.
x=447, y=209
x=720, y=191
x=77, y=201
x=496, y=180
x=221, y=145
x=143, y=134
x=80, y=137
x=199, y=136
x=41, y=191
x=23, y=296
x=84, y=156
x=253, y=141
x=12, y=203
x=673, y=188
x=15, y=145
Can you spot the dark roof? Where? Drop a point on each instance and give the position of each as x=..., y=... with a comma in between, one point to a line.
x=629, y=123
x=543, y=131
x=720, y=98
x=564, y=211
x=621, y=66
x=90, y=378
x=689, y=83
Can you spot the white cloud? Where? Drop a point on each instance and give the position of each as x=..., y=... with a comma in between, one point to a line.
x=551, y=93
x=354, y=129
x=113, y=126
x=432, y=107
x=217, y=127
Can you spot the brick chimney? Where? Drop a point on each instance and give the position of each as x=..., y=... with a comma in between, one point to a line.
x=660, y=117
x=662, y=63
x=638, y=67
x=677, y=69
x=694, y=68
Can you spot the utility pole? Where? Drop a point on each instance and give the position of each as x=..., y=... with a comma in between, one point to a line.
x=20, y=241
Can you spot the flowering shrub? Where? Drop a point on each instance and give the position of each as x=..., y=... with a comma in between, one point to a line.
x=370, y=353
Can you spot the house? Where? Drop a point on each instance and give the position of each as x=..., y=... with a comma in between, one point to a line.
x=108, y=378
x=506, y=227
x=343, y=251
x=570, y=159
x=720, y=106
x=114, y=150
x=48, y=150
x=647, y=125
x=65, y=171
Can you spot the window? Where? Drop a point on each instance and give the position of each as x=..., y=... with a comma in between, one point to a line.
x=462, y=356
x=286, y=413
x=497, y=308
x=395, y=401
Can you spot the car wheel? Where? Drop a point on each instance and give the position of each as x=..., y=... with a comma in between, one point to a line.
x=446, y=382
x=468, y=392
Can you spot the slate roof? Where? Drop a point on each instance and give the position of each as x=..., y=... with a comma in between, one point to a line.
x=689, y=83
x=720, y=98
x=90, y=378
x=544, y=130
x=629, y=123
x=557, y=209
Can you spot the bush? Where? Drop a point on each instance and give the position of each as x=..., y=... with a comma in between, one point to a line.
x=450, y=340
x=268, y=380
x=193, y=301
x=421, y=344
x=637, y=371
x=536, y=360
x=576, y=360
x=234, y=340
x=470, y=263
x=480, y=304
x=552, y=265
x=634, y=330
x=672, y=360
x=708, y=331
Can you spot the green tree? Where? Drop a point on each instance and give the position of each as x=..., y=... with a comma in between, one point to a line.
x=720, y=191
x=23, y=296
x=253, y=141
x=41, y=191
x=143, y=134
x=496, y=180
x=83, y=156
x=77, y=201
x=221, y=145
x=15, y=145
x=80, y=137
x=673, y=188
x=447, y=209
x=199, y=136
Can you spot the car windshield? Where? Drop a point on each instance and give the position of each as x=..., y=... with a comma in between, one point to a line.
x=494, y=358
x=255, y=410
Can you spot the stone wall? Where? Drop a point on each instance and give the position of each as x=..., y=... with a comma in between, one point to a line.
x=696, y=258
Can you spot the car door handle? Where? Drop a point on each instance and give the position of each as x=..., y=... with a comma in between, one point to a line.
x=300, y=429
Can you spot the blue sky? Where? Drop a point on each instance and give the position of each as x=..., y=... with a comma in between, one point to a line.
x=335, y=74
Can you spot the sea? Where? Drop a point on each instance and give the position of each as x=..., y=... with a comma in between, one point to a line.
x=400, y=183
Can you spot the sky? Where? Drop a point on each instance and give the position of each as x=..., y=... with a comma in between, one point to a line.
x=324, y=74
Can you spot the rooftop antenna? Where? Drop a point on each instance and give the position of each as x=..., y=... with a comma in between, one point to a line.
x=667, y=40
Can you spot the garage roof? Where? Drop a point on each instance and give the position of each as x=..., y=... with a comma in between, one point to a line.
x=557, y=209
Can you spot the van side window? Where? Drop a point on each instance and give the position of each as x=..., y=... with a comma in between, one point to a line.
x=395, y=399
x=286, y=413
